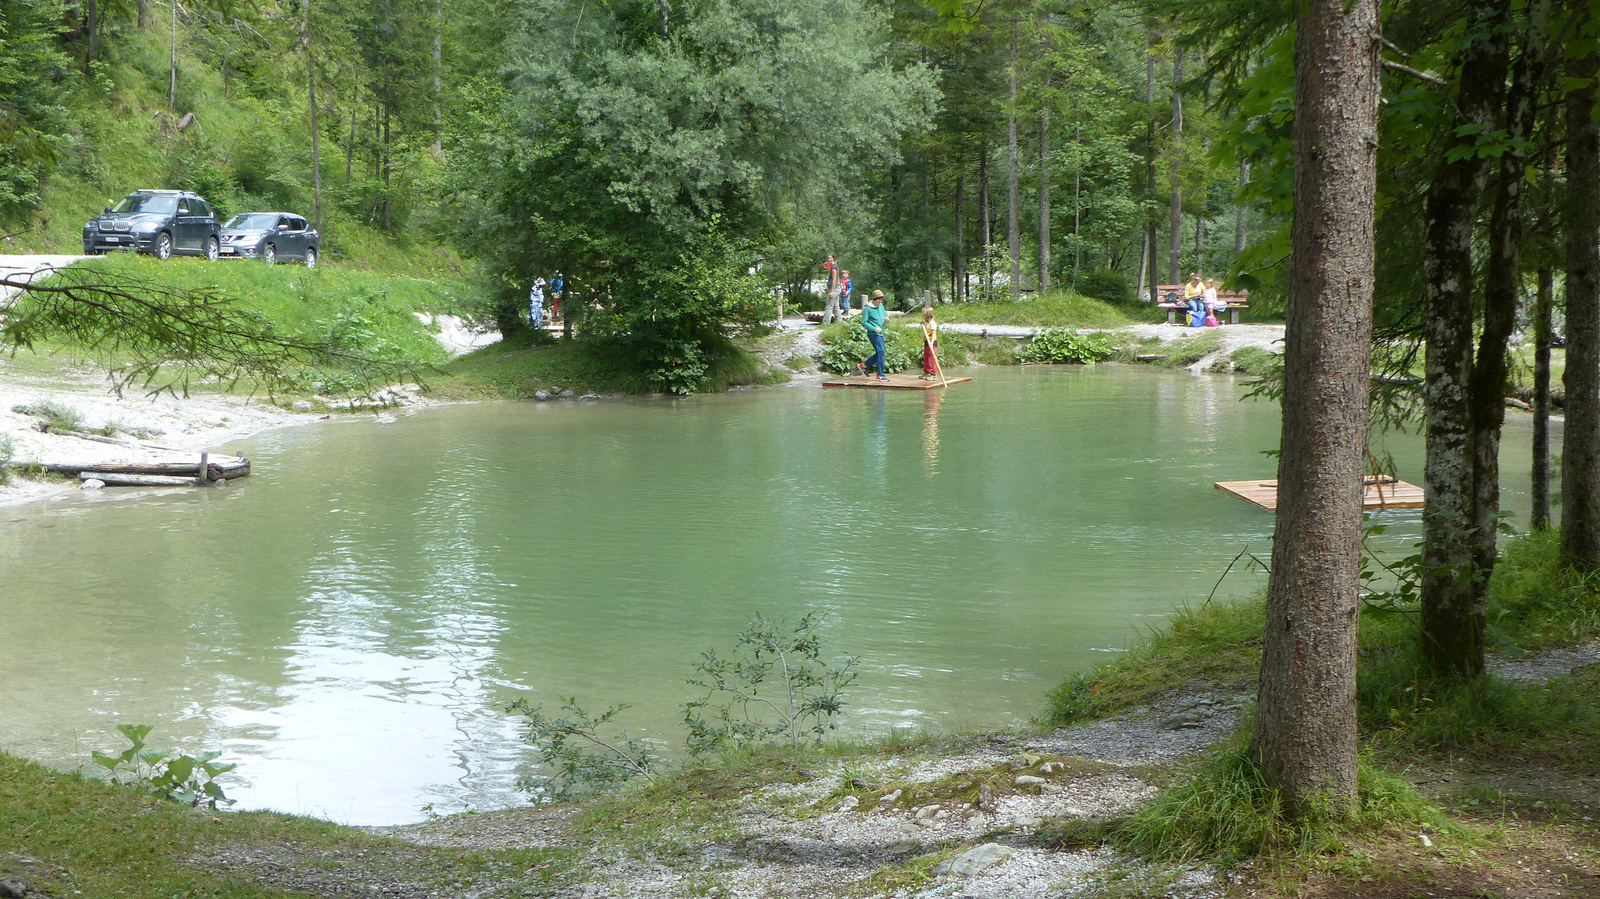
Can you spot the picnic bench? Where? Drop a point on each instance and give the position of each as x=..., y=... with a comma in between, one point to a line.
x=1172, y=300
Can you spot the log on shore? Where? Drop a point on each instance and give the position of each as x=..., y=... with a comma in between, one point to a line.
x=227, y=469
x=138, y=480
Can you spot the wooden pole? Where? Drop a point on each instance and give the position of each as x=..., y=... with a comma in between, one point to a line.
x=205, y=474
x=934, y=349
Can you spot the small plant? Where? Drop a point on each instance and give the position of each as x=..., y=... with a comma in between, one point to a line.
x=190, y=780
x=774, y=690
x=584, y=759
x=56, y=414
x=1054, y=345
x=7, y=450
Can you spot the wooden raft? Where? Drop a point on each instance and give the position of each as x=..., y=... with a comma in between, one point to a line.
x=1381, y=493
x=897, y=381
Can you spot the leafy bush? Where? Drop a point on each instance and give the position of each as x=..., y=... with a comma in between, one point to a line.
x=1061, y=345
x=56, y=414
x=1103, y=284
x=846, y=344
x=583, y=757
x=181, y=778
x=775, y=689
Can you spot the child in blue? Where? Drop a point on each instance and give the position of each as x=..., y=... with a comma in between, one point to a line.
x=844, y=293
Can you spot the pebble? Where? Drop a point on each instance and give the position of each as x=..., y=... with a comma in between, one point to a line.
x=566, y=394
x=541, y=395
x=849, y=803
x=1028, y=780
x=92, y=484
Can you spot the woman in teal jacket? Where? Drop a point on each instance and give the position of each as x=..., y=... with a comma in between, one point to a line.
x=872, y=318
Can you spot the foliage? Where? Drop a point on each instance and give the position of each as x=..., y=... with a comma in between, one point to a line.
x=1053, y=308
x=1226, y=813
x=583, y=757
x=7, y=450
x=1054, y=345
x=190, y=780
x=1103, y=284
x=844, y=345
x=54, y=413
x=774, y=690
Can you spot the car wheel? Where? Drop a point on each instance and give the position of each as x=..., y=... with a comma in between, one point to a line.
x=311, y=257
x=269, y=254
x=163, y=248
x=212, y=250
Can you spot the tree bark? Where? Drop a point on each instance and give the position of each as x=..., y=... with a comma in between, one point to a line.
x=316, y=142
x=1150, y=172
x=438, y=77
x=959, y=263
x=1452, y=610
x=1044, y=201
x=144, y=13
x=92, y=29
x=1305, y=729
x=1014, y=218
x=1239, y=224
x=1544, y=301
x=1502, y=281
x=1580, y=442
x=1175, y=245
x=172, y=70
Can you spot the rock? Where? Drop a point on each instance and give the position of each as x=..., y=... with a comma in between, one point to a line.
x=1051, y=767
x=849, y=803
x=588, y=397
x=1028, y=780
x=1026, y=821
x=566, y=394
x=302, y=406
x=14, y=888
x=905, y=844
x=92, y=484
x=986, y=799
x=541, y=395
x=1183, y=721
x=978, y=858
x=890, y=798
x=926, y=812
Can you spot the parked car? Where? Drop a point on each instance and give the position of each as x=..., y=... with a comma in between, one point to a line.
x=271, y=237
x=158, y=222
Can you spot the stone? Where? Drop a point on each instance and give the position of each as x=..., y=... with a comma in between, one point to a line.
x=1183, y=721
x=588, y=397
x=566, y=394
x=92, y=484
x=14, y=888
x=1028, y=780
x=1052, y=788
x=926, y=812
x=302, y=406
x=976, y=859
x=849, y=803
x=541, y=395
x=890, y=798
x=986, y=799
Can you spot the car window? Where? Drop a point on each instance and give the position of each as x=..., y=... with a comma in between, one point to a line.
x=183, y=207
x=153, y=203
x=252, y=221
x=201, y=207
x=299, y=224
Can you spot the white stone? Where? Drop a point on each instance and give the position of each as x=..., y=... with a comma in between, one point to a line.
x=92, y=484
x=976, y=859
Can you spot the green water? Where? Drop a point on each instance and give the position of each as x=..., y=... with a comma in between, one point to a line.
x=349, y=623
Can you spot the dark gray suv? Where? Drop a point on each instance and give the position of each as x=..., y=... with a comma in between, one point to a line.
x=158, y=222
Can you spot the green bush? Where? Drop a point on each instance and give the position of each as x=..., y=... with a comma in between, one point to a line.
x=843, y=345
x=1060, y=345
x=1103, y=284
x=6, y=451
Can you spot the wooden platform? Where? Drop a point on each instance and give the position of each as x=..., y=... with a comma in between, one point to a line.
x=1390, y=494
x=898, y=381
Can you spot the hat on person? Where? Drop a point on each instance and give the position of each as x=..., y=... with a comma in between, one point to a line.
x=876, y=295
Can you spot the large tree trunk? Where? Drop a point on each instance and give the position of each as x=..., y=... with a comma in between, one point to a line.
x=316, y=141
x=1452, y=611
x=1240, y=212
x=1044, y=203
x=1014, y=216
x=1545, y=299
x=172, y=70
x=144, y=13
x=1175, y=221
x=959, y=263
x=1305, y=729
x=438, y=77
x=1500, y=293
x=1150, y=174
x=92, y=29
x=1580, y=441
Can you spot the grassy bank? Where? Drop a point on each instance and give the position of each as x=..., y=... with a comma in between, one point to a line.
x=1055, y=308
x=518, y=369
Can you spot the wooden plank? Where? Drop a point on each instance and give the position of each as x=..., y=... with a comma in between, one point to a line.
x=137, y=480
x=1387, y=494
x=900, y=381
x=226, y=468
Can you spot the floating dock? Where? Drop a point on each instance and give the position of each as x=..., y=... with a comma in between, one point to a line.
x=1381, y=493
x=899, y=381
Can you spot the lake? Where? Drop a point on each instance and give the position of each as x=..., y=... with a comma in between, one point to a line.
x=349, y=623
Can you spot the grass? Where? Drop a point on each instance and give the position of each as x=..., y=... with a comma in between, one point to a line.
x=91, y=839
x=1053, y=308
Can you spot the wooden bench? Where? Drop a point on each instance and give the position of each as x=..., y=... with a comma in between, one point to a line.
x=1172, y=300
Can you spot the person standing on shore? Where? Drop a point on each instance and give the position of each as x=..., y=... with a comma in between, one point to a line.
x=844, y=294
x=536, y=304
x=557, y=286
x=872, y=319
x=830, y=300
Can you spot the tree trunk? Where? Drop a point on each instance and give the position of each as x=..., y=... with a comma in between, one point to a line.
x=1144, y=268
x=1305, y=729
x=1175, y=244
x=144, y=14
x=1199, y=243
x=1452, y=611
x=1540, y=519
x=316, y=141
x=172, y=70
x=1239, y=236
x=1014, y=220
x=1150, y=173
x=1044, y=203
x=92, y=31
x=986, y=212
x=1580, y=442
x=350, y=149
x=959, y=263
x=438, y=77
x=1502, y=280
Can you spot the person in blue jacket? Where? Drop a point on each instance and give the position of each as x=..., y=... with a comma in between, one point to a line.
x=872, y=319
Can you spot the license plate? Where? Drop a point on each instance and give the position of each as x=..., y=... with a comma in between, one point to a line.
x=113, y=240
x=228, y=251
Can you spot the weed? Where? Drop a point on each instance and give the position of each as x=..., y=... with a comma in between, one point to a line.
x=1254, y=360
x=53, y=413
x=584, y=757
x=1054, y=345
x=190, y=780
x=7, y=449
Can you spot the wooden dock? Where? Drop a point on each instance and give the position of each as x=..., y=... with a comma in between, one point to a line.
x=897, y=381
x=1382, y=493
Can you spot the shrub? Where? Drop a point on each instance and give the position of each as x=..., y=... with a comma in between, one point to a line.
x=6, y=451
x=845, y=345
x=56, y=414
x=190, y=780
x=1103, y=284
x=1061, y=345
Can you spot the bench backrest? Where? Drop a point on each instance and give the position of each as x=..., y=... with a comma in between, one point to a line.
x=1166, y=289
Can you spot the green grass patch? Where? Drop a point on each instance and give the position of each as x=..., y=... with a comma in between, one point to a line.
x=1217, y=643
x=94, y=840
x=1057, y=308
x=1254, y=360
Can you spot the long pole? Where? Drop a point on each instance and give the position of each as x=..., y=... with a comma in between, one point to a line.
x=933, y=347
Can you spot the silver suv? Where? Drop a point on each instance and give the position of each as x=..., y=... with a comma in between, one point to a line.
x=158, y=222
